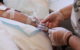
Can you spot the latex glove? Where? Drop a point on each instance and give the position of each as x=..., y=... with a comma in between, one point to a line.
x=59, y=36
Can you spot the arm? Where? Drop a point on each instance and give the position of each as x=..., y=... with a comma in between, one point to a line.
x=60, y=37
x=74, y=42
x=66, y=11
x=54, y=19
x=18, y=16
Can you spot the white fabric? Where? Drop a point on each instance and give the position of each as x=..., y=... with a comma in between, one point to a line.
x=56, y=5
x=25, y=36
x=37, y=8
x=74, y=19
x=2, y=7
x=57, y=29
x=52, y=32
x=5, y=41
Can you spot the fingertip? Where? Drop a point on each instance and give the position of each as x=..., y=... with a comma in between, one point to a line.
x=43, y=21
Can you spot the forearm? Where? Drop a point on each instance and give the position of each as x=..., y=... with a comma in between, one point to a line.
x=74, y=42
x=18, y=16
x=66, y=12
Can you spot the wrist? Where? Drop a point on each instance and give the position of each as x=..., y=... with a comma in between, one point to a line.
x=69, y=38
x=66, y=37
x=74, y=42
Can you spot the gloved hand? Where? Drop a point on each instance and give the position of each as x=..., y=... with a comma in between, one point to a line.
x=59, y=36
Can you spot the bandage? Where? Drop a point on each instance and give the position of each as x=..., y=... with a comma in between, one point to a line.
x=11, y=12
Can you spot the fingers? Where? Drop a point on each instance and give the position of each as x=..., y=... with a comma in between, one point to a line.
x=52, y=24
x=48, y=18
x=45, y=20
x=51, y=21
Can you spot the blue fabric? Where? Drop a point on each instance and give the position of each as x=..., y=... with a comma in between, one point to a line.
x=20, y=29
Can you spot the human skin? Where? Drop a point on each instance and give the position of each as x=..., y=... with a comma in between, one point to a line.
x=55, y=18
x=18, y=16
x=74, y=42
x=60, y=36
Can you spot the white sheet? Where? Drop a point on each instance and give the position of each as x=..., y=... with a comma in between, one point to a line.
x=37, y=40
